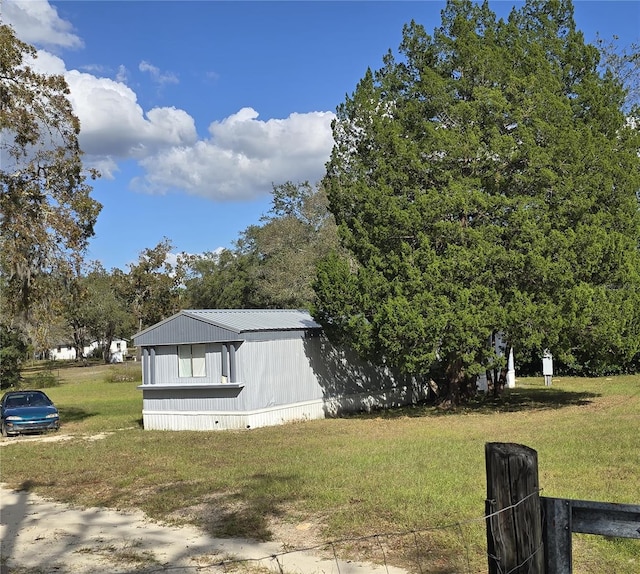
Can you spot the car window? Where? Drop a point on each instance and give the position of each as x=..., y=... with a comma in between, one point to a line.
x=32, y=399
x=17, y=401
x=38, y=400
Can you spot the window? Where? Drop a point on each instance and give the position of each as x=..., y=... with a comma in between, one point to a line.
x=191, y=361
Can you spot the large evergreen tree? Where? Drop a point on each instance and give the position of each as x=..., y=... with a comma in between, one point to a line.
x=485, y=181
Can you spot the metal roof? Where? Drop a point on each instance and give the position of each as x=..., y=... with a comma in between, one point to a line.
x=242, y=320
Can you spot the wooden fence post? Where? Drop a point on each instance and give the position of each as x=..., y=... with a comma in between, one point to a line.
x=556, y=533
x=514, y=523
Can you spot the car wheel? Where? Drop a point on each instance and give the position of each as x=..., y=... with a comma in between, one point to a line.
x=4, y=431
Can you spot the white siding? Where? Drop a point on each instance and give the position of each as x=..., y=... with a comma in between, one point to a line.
x=117, y=346
x=63, y=353
x=226, y=420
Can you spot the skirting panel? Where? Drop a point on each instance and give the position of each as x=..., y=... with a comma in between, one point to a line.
x=271, y=416
x=208, y=421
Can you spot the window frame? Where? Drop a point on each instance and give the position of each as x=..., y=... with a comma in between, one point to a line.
x=192, y=365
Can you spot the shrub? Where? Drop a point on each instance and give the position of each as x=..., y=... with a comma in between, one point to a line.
x=13, y=350
x=42, y=380
x=124, y=374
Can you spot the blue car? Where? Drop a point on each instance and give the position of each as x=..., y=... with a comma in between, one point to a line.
x=28, y=411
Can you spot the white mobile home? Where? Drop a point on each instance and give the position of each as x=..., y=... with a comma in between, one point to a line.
x=231, y=369
x=117, y=351
x=63, y=352
x=67, y=351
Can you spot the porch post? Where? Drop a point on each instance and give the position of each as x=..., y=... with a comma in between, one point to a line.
x=152, y=366
x=145, y=366
x=225, y=363
x=232, y=362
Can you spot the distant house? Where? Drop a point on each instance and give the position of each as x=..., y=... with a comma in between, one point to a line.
x=62, y=352
x=117, y=350
x=232, y=369
x=67, y=351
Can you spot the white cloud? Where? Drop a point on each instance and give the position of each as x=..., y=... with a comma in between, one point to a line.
x=122, y=75
x=46, y=63
x=37, y=22
x=158, y=76
x=243, y=157
x=114, y=124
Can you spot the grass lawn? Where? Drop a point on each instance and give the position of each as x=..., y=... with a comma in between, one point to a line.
x=416, y=469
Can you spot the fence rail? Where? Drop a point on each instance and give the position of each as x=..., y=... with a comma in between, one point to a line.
x=562, y=517
x=515, y=541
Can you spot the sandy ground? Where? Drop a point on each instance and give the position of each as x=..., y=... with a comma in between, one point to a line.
x=44, y=537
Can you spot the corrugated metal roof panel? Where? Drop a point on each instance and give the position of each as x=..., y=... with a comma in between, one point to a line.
x=182, y=329
x=242, y=320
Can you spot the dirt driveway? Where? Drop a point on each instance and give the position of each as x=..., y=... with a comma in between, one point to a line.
x=44, y=537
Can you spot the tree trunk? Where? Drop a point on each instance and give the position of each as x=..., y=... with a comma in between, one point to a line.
x=456, y=380
x=78, y=342
x=106, y=349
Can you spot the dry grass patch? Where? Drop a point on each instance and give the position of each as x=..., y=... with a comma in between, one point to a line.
x=128, y=553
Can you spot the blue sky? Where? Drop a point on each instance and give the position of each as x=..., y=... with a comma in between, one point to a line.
x=192, y=110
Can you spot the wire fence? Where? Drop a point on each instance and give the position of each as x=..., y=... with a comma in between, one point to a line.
x=418, y=554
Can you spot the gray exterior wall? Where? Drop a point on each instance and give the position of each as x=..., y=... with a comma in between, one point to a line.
x=184, y=330
x=279, y=376
x=273, y=373
x=276, y=372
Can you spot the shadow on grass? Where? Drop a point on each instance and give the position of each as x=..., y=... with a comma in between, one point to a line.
x=515, y=400
x=27, y=486
x=247, y=513
x=74, y=414
x=511, y=400
x=243, y=513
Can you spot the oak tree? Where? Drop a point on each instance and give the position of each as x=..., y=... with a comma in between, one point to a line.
x=103, y=311
x=273, y=264
x=47, y=211
x=223, y=279
x=295, y=234
x=152, y=285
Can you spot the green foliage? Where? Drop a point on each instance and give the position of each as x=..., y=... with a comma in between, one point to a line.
x=623, y=63
x=151, y=288
x=222, y=280
x=47, y=212
x=103, y=310
x=13, y=350
x=42, y=379
x=485, y=182
x=98, y=305
x=297, y=232
x=273, y=265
